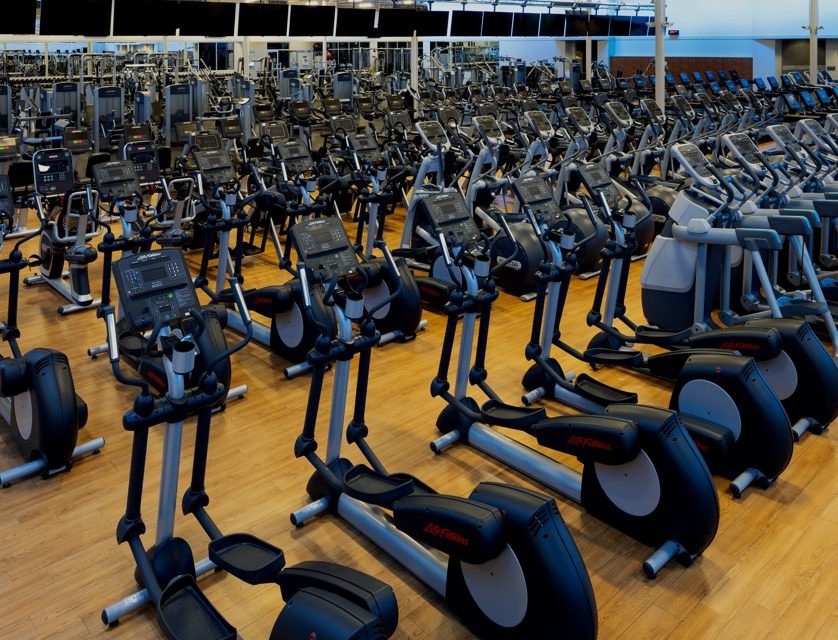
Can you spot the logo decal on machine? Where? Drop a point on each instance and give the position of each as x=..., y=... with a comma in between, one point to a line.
x=444, y=533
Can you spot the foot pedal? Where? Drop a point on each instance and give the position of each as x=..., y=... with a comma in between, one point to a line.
x=660, y=336
x=185, y=613
x=372, y=487
x=503, y=415
x=614, y=357
x=601, y=393
x=247, y=557
x=803, y=309
x=249, y=249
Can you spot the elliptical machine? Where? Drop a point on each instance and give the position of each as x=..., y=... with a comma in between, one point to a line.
x=502, y=558
x=323, y=600
x=69, y=221
x=38, y=400
x=641, y=472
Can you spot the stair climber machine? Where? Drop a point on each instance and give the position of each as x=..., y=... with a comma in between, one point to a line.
x=688, y=271
x=728, y=408
x=502, y=558
x=68, y=222
x=38, y=401
x=323, y=600
x=518, y=275
x=641, y=473
x=119, y=185
x=758, y=200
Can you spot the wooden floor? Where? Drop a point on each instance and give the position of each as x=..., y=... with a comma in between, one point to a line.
x=772, y=571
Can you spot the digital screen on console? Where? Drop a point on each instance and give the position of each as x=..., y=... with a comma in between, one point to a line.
x=595, y=175
x=539, y=120
x=532, y=190
x=150, y=275
x=692, y=155
x=745, y=146
x=489, y=126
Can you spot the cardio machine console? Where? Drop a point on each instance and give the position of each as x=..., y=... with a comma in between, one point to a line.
x=399, y=119
x=683, y=107
x=205, y=140
x=433, y=135
x=184, y=131
x=489, y=128
x=743, y=149
x=77, y=140
x=539, y=122
x=366, y=148
x=653, y=111
x=533, y=192
x=154, y=286
x=599, y=184
x=781, y=134
x=9, y=148
x=294, y=156
x=263, y=112
x=344, y=124
x=146, y=162
x=231, y=128
x=448, y=212
x=215, y=167
x=618, y=113
x=323, y=245
x=135, y=133
x=116, y=180
x=580, y=120
x=694, y=162
x=53, y=172
x=277, y=131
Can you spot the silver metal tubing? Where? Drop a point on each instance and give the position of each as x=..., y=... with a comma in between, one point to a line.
x=261, y=333
x=533, y=396
x=91, y=446
x=541, y=468
x=311, y=510
x=744, y=480
x=340, y=388
x=296, y=370
x=802, y=426
x=139, y=599
x=21, y=471
x=655, y=562
x=443, y=442
x=236, y=392
x=72, y=307
x=430, y=566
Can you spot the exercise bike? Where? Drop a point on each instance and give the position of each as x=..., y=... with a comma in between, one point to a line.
x=323, y=600
x=38, y=400
x=502, y=558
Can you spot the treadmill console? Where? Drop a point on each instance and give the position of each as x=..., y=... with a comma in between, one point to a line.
x=116, y=180
x=53, y=172
x=323, y=245
x=145, y=159
x=449, y=213
x=231, y=128
x=695, y=163
x=9, y=148
x=215, y=167
x=154, y=286
x=489, y=129
x=539, y=122
x=599, y=183
x=433, y=135
x=533, y=192
x=77, y=140
x=618, y=113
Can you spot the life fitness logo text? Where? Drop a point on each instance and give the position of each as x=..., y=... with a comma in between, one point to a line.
x=446, y=534
x=589, y=443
